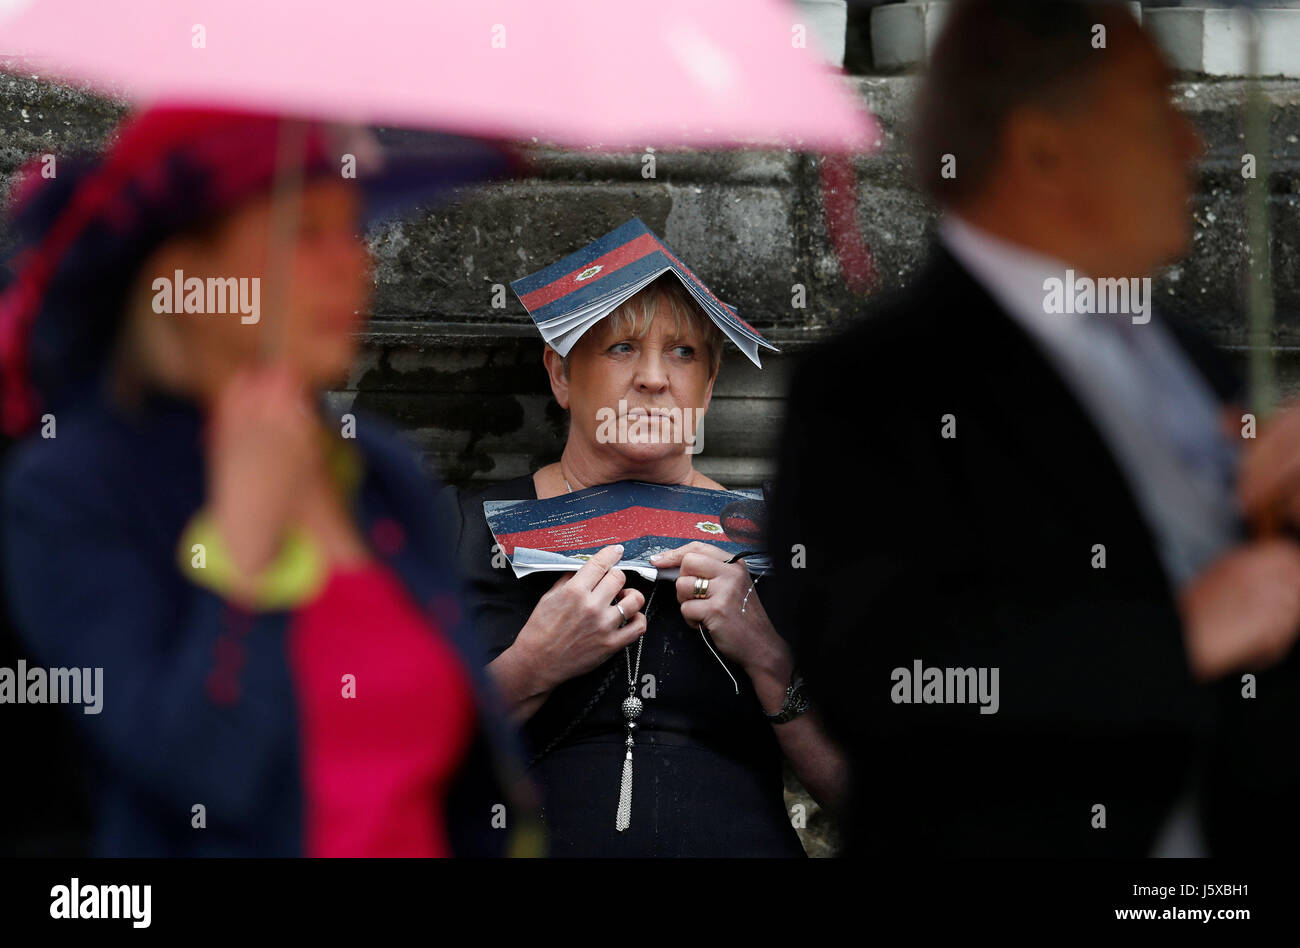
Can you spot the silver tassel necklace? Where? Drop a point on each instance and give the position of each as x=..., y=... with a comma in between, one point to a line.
x=632, y=708
x=631, y=711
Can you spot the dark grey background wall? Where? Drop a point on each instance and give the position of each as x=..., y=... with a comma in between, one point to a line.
x=465, y=378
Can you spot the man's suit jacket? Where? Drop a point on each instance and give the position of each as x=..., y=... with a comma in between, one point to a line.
x=979, y=550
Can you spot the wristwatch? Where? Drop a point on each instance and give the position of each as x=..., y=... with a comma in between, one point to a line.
x=796, y=703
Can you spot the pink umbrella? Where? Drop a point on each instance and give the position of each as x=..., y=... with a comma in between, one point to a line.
x=574, y=72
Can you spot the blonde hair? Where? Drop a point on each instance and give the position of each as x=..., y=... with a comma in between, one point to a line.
x=634, y=316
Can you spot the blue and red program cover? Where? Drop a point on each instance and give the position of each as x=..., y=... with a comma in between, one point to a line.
x=571, y=295
x=561, y=533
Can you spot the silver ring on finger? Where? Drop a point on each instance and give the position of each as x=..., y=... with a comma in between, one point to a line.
x=619, y=607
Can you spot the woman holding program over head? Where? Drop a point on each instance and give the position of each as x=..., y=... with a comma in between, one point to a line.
x=266, y=590
x=707, y=751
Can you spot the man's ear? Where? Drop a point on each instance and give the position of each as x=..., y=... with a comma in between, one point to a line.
x=554, y=363
x=1036, y=148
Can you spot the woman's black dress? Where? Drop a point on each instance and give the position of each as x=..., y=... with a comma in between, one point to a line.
x=707, y=768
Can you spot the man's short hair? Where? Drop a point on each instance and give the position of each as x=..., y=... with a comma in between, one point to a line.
x=996, y=56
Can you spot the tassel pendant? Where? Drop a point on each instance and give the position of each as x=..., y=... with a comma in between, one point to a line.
x=624, y=818
x=631, y=711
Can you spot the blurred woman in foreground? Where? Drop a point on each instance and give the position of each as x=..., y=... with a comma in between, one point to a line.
x=264, y=587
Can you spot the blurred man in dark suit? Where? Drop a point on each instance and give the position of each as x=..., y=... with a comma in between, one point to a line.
x=1015, y=622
